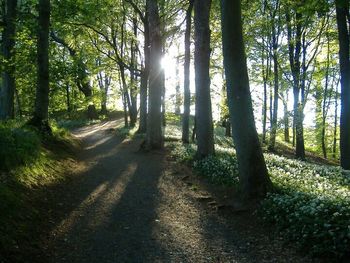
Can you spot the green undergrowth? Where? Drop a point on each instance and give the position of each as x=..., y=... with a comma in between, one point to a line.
x=310, y=204
x=29, y=163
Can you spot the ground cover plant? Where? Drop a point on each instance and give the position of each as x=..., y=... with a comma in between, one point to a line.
x=310, y=203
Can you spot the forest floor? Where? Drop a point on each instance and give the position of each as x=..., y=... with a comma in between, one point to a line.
x=126, y=205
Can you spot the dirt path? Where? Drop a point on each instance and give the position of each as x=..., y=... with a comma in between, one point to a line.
x=130, y=206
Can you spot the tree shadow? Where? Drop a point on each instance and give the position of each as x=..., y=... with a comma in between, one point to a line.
x=110, y=209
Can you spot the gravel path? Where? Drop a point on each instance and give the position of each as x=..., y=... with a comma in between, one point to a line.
x=130, y=206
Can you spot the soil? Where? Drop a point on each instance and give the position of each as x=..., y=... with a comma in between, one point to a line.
x=126, y=205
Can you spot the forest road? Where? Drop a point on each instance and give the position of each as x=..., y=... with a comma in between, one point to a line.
x=126, y=205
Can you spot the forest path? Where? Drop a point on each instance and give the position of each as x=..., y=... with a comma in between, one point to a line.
x=130, y=206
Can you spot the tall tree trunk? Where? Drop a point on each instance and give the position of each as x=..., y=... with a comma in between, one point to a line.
x=8, y=53
x=154, y=136
x=342, y=11
x=125, y=107
x=187, y=62
x=41, y=112
x=144, y=79
x=177, y=87
x=264, y=109
x=133, y=89
x=204, y=119
x=272, y=141
x=286, y=120
x=69, y=108
x=253, y=173
x=294, y=46
x=335, y=127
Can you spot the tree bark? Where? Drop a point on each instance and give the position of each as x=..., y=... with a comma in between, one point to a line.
x=177, y=87
x=253, y=173
x=342, y=14
x=8, y=53
x=204, y=119
x=41, y=113
x=154, y=135
x=272, y=141
x=187, y=62
x=335, y=127
x=133, y=88
x=144, y=79
x=294, y=46
x=286, y=121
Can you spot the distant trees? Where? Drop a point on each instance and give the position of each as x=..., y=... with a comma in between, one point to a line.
x=99, y=57
x=253, y=174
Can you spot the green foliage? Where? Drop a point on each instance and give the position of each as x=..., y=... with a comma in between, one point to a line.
x=219, y=169
x=311, y=205
x=18, y=146
x=25, y=167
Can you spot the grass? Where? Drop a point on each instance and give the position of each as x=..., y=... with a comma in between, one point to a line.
x=29, y=163
x=310, y=204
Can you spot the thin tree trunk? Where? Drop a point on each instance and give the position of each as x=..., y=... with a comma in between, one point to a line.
x=272, y=141
x=69, y=109
x=8, y=53
x=335, y=133
x=144, y=80
x=264, y=110
x=187, y=92
x=253, y=173
x=342, y=11
x=204, y=120
x=286, y=121
x=177, y=87
x=294, y=46
x=154, y=136
x=125, y=109
x=133, y=89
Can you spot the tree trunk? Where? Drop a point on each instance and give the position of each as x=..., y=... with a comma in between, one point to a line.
x=342, y=11
x=272, y=141
x=335, y=133
x=264, y=109
x=133, y=88
x=125, y=107
x=253, y=173
x=144, y=80
x=294, y=47
x=154, y=136
x=204, y=120
x=41, y=112
x=286, y=120
x=187, y=62
x=177, y=87
x=8, y=53
x=69, y=108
